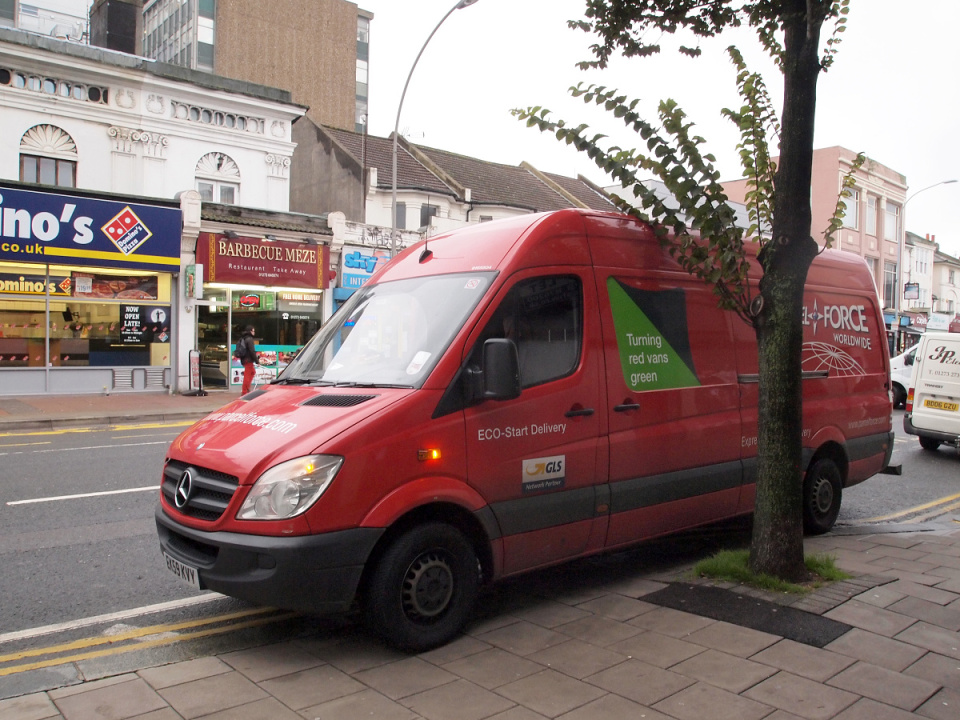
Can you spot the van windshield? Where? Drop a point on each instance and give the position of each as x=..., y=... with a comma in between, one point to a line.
x=389, y=334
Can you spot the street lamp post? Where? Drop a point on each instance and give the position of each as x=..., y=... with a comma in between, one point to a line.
x=396, y=126
x=902, y=236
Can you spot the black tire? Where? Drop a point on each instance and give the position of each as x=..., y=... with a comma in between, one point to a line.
x=929, y=443
x=423, y=588
x=899, y=396
x=822, y=492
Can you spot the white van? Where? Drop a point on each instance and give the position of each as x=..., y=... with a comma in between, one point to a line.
x=901, y=369
x=933, y=399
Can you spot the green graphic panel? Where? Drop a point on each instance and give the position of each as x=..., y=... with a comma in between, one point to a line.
x=649, y=360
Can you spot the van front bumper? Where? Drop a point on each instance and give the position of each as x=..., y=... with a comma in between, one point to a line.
x=910, y=428
x=313, y=573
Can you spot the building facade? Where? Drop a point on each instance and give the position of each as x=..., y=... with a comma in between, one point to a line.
x=115, y=170
x=316, y=49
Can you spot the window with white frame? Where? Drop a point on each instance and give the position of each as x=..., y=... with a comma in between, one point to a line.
x=951, y=277
x=891, y=221
x=851, y=209
x=872, y=203
x=921, y=260
x=48, y=156
x=889, y=284
x=218, y=179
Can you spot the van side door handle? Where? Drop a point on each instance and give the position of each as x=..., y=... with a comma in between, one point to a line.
x=626, y=407
x=582, y=412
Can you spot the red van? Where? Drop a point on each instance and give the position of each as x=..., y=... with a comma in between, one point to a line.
x=504, y=397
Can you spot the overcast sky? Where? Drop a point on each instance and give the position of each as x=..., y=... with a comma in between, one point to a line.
x=892, y=93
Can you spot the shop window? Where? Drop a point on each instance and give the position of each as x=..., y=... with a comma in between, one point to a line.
x=97, y=317
x=48, y=155
x=218, y=179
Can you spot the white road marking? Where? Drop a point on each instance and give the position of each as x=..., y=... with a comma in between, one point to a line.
x=86, y=447
x=32, y=501
x=110, y=617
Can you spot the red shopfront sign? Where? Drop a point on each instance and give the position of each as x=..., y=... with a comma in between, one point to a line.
x=254, y=261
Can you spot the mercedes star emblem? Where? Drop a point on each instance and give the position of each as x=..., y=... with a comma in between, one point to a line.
x=181, y=495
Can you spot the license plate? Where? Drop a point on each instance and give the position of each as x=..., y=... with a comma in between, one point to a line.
x=941, y=405
x=186, y=573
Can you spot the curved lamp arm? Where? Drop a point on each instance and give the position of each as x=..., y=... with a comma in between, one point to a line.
x=396, y=126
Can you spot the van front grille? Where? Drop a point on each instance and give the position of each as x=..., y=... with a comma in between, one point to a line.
x=210, y=490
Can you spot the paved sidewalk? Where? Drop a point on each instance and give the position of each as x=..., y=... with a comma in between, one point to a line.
x=33, y=412
x=595, y=639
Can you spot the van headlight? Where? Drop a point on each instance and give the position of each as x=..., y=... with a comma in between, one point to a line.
x=290, y=488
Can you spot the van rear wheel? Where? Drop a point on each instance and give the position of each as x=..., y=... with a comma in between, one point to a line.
x=423, y=588
x=822, y=491
x=929, y=443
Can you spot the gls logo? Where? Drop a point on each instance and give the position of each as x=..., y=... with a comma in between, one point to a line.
x=546, y=468
x=546, y=473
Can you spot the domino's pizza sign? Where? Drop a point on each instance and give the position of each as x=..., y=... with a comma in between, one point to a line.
x=49, y=227
x=127, y=231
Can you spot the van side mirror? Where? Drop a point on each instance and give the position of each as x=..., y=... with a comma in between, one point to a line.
x=908, y=359
x=501, y=370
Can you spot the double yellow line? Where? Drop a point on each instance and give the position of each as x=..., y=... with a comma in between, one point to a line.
x=943, y=505
x=102, y=428
x=268, y=615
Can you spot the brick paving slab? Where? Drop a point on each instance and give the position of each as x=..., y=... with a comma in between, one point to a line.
x=404, y=677
x=876, y=649
x=599, y=630
x=702, y=701
x=868, y=617
x=550, y=693
x=38, y=706
x=641, y=682
x=613, y=707
x=210, y=695
x=934, y=613
x=933, y=638
x=361, y=706
x=577, y=658
x=116, y=701
x=803, y=660
x=937, y=668
x=725, y=671
x=885, y=686
x=493, y=668
x=801, y=696
x=657, y=649
x=942, y=706
x=867, y=709
x=315, y=686
x=732, y=639
x=459, y=700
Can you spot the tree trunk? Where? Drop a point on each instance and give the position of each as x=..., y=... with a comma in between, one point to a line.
x=777, y=543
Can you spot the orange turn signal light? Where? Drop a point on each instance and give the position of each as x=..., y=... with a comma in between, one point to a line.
x=426, y=455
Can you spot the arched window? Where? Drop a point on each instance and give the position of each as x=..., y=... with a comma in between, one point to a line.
x=48, y=155
x=218, y=179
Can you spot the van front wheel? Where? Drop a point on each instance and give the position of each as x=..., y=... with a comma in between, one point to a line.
x=423, y=589
x=822, y=490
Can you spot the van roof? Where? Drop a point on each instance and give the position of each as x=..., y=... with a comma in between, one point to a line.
x=563, y=237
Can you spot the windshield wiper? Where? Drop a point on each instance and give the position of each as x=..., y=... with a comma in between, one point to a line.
x=292, y=381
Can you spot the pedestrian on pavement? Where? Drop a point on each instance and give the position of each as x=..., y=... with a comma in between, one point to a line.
x=247, y=353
